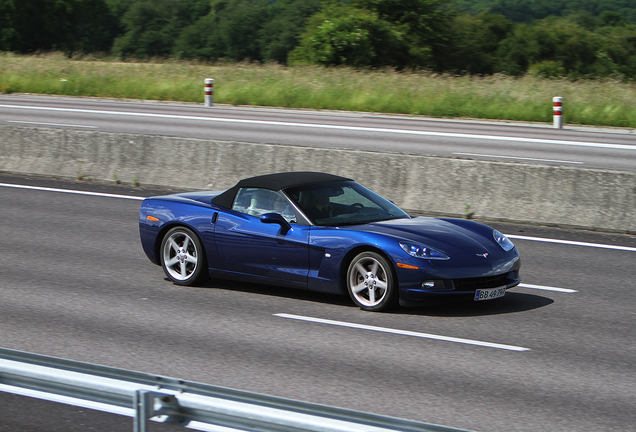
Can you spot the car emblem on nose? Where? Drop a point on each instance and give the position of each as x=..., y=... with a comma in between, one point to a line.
x=485, y=255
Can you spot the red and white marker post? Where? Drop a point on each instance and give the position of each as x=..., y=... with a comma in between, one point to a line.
x=209, y=92
x=557, y=107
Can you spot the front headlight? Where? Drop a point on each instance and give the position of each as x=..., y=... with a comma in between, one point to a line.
x=503, y=241
x=421, y=251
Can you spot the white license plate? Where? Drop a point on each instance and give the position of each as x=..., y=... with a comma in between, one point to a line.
x=489, y=294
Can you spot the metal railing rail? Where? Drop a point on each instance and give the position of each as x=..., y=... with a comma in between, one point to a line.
x=194, y=405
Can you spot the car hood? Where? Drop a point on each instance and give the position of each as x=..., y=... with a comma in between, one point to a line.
x=470, y=245
x=447, y=235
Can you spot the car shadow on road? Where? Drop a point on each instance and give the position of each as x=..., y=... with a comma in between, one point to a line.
x=283, y=292
x=513, y=302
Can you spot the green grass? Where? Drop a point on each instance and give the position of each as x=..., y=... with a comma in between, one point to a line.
x=607, y=103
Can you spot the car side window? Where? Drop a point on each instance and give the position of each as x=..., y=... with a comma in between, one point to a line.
x=258, y=201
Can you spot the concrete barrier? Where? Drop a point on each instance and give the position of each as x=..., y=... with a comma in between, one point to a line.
x=514, y=192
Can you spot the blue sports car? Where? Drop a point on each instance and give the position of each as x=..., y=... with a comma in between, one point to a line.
x=325, y=233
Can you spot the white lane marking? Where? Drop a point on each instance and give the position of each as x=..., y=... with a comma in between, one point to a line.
x=46, y=189
x=573, y=243
x=539, y=239
x=517, y=157
x=547, y=288
x=403, y=332
x=50, y=124
x=350, y=128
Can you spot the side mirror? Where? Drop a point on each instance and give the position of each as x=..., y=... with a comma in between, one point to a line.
x=276, y=218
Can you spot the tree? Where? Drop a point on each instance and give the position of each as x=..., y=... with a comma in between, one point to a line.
x=424, y=23
x=200, y=40
x=281, y=34
x=399, y=33
x=68, y=25
x=528, y=11
x=152, y=26
x=346, y=35
x=558, y=45
x=230, y=31
x=474, y=42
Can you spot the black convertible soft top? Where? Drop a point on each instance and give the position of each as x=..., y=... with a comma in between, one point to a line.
x=275, y=182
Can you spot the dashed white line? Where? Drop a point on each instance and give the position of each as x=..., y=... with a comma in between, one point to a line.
x=517, y=158
x=403, y=332
x=547, y=288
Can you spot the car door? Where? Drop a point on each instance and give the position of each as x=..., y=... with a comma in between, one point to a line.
x=247, y=245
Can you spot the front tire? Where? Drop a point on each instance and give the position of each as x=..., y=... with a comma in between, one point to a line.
x=371, y=282
x=182, y=257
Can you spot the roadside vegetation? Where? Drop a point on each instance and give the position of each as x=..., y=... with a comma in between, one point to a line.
x=527, y=98
x=577, y=39
x=496, y=59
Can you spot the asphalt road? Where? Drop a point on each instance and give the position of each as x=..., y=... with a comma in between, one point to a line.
x=572, y=146
x=74, y=283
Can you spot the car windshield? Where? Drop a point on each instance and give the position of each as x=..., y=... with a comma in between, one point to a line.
x=342, y=203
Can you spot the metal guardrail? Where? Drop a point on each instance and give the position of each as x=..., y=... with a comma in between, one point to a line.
x=197, y=406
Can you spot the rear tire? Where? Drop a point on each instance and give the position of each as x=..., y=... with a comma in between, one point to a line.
x=183, y=257
x=371, y=282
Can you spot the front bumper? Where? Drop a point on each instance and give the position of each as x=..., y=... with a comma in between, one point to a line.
x=415, y=292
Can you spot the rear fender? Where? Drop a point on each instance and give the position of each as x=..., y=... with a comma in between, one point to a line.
x=156, y=217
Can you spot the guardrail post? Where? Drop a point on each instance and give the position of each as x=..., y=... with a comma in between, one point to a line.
x=557, y=107
x=148, y=404
x=209, y=92
x=144, y=405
